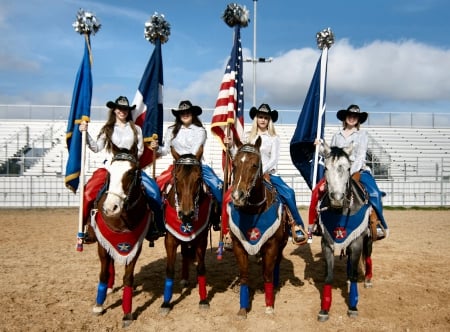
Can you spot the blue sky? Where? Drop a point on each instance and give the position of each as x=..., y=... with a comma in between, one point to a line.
x=389, y=55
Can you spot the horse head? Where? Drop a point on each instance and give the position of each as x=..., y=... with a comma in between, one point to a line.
x=187, y=176
x=337, y=174
x=122, y=186
x=247, y=172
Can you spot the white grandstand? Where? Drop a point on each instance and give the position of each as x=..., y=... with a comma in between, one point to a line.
x=412, y=164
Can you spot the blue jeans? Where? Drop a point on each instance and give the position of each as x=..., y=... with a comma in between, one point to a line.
x=213, y=182
x=375, y=195
x=287, y=195
x=154, y=200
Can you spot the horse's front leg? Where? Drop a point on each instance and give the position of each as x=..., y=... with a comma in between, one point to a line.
x=127, y=294
x=171, y=244
x=269, y=256
x=242, y=260
x=328, y=253
x=102, y=287
x=201, y=270
x=354, y=252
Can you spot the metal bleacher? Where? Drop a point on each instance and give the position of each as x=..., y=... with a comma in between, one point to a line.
x=409, y=156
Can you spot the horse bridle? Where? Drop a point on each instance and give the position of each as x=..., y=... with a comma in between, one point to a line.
x=251, y=149
x=192, y=161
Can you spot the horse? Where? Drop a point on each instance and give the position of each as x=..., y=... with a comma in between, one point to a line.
x=187, y=210
x=344, y=219
x=120, y=221
x=258, y=223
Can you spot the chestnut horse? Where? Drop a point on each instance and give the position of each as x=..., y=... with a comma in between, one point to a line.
x=120, y=222
x=343, y=217
x=258, y=223
x=187, y=209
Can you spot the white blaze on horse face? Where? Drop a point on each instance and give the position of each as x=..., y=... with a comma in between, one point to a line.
x=115, y=193
x=238, y=194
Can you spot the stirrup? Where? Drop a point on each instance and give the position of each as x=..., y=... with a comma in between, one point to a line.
x=298, y=234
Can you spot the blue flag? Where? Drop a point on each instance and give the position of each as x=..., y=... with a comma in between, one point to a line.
x=302, y=146
x=80, y=110
x=148, y=113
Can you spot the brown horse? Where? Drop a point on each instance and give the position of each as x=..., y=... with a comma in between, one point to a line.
x=258, y=223
x=120, y=223
x=187, y=209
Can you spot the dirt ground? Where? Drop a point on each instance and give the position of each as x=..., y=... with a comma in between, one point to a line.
x=46, y=285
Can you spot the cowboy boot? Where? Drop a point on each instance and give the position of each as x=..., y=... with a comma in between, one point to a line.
x=214, y=216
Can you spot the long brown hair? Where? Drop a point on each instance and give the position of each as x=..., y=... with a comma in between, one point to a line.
x=177, y=125
x=108, y=130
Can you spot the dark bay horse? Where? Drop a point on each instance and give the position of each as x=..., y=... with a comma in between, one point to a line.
x=187, y=209
x=258, y=223
x=344, y=216
x=120, y=223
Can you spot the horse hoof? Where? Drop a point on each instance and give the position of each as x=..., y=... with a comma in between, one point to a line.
x=352, y=313
x=203, y=305
x=109, y=291
x=165, y=309
x=270, y=310
x=323, y=316
x=98, y=310
x=184, y=283
x=368, y=283
x=242, y=313
x=127, y=320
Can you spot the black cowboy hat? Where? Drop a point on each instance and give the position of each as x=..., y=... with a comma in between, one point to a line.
x=265, y=109
x=186, y=105
x=120, y=103
x=352, y=109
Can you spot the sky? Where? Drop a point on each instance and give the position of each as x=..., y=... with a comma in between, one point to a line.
x=388, y=55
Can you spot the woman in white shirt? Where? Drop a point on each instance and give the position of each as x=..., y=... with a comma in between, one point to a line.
x=120, y=130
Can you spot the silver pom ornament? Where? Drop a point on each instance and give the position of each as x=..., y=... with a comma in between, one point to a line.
x=157, y=28
x=236, y=15
x=86, y=23
x=325, y=38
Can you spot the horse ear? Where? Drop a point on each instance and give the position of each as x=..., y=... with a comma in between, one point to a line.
x=258, y=142
x=324, y=148
x=199, y=153
x=175, y=154
x=237, y=141
x=348, y=150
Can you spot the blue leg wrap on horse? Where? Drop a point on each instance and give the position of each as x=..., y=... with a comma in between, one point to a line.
x=101, y=292
x=375, y=195
x=353, y=294
x=214, y=183
x=244, y=296
x=287, y=195
x=276, y=275
x=168, y=289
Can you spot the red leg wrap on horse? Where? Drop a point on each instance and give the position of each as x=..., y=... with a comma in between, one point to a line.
x=326, y=297
x=369, y=267
x=202, y=287
x=127, y=299
x=112, y=274
x=268, y=290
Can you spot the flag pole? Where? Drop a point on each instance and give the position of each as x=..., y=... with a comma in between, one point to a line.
x=325, y=39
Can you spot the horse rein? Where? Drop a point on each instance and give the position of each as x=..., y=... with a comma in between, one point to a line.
x=258, y=173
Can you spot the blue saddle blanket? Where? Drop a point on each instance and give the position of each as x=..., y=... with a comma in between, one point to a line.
x=253, y=230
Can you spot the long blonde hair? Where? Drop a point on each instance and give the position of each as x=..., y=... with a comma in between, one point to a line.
x=253, y=134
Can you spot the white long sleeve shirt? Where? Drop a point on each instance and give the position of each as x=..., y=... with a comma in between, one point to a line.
x=360, y=142
x=188, y=140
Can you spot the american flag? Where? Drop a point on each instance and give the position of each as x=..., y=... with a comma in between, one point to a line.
x=229, y=108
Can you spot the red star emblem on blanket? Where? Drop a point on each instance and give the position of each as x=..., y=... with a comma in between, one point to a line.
x=340, y=233
x=253, y=234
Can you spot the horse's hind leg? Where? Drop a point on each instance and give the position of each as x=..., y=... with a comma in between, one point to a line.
x=102, y=288
x=325, y=305
x=201, y=270
x=367, y=254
